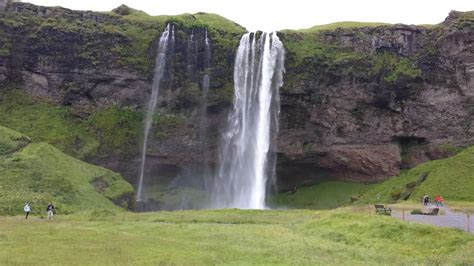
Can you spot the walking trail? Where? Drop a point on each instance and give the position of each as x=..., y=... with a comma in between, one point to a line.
x=448, y=219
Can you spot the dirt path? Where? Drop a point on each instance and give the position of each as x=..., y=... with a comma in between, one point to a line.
x=448, y=219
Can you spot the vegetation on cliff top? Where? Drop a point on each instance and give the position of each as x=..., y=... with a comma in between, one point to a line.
x=198, y=20
x=132, y=33
x=143, y=29
x=460, y=20
x=40, y=173
x=343, y=50
x=310, y=56
x=341, y=24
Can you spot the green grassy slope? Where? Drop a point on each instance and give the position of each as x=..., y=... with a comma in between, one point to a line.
x=453, y=178
x=107, y=130
x=11, y=141
x=43, y=121
x=39, y=173
x=326, y=195
x=237, y=237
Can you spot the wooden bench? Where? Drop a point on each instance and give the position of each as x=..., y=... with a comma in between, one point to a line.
x=380, y=209
x=433, y=211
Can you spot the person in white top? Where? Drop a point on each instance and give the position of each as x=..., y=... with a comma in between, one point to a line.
x=27, y=209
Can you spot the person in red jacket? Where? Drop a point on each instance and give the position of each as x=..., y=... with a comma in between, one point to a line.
x=439, y=200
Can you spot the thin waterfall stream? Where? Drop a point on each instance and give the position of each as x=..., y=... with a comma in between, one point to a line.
x=203, y=132
x=160, y=64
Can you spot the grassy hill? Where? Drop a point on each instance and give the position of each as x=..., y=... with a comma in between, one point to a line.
x=453, y=178
x=39, y=173
x=237, y=237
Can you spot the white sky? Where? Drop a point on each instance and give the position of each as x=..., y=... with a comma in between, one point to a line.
x=271, y=15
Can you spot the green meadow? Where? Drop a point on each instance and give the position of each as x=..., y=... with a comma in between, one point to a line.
x=237, y=237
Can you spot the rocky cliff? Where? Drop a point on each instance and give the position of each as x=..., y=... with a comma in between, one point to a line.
x=362, y=103
x=359, y=102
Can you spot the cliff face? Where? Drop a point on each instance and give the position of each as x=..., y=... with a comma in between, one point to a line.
x=374, y=100
x=98, y=68
x=358, y=102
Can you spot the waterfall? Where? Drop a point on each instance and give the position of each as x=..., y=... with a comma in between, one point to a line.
x=203, y=134
x=247, y=161
x=191, y=56
x=160, y=64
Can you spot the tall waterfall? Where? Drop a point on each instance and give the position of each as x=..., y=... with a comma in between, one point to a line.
x=246, y=160
x=166, y=39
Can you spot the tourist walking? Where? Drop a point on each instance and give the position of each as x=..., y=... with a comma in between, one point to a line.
x=426, y=200
x=27, y=210
x=50, y=210
x=439, y=200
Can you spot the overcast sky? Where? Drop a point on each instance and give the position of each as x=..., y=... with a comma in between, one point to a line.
x=269, y=15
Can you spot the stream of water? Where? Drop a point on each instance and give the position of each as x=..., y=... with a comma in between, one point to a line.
x=166, y=37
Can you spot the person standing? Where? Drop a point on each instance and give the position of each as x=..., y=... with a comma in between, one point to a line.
x=426, y=200
x=441, y=201
x=437, y=200
x=27, y=210
x=50, y=210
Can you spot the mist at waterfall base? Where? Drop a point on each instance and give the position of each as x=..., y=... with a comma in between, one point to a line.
x=241, y=171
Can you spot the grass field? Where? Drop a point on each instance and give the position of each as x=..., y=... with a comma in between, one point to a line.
x=296, y=237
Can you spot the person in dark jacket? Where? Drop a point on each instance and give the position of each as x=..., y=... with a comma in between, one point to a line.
x=50, y=210
x=426, y=200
